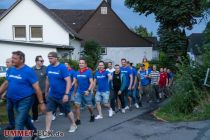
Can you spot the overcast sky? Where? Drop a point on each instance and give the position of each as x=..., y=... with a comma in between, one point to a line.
x=130, y=18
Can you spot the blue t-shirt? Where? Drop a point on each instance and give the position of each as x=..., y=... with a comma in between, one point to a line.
x=56, y=75
x=170, y=75
x=144, y=81
x=102, y=81
x=127, y=71
x=20, y=82
x=134, y=72
x=83, y=80
x=72, y=75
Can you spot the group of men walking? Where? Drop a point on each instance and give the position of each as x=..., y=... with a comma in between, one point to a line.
x=58, y=85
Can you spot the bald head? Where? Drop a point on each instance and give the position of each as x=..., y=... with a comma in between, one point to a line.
x=9, y=62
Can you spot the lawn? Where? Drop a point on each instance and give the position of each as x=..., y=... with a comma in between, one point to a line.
x=3, y=113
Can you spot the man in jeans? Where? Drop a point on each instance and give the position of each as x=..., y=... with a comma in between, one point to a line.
x=21, y=84
x=155, y=77
x=102, y=78
x=40, y=71
x=118, y=85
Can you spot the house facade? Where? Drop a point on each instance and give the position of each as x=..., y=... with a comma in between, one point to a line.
x=32, y=28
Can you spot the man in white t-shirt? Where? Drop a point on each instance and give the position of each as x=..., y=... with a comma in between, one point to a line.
x=110, y=69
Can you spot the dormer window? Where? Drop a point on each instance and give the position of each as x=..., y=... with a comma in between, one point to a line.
x=103, y=10
x=36, y=33
x=19, y=32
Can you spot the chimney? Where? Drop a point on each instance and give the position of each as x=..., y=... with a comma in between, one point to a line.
x=109, y=2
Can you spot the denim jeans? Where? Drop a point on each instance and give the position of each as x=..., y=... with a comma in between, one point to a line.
x=23, y=118
x=10, y=112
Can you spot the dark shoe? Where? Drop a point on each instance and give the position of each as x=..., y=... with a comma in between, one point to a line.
x=140, y=104
x=78, y=122
x=9, y=127
x=92, y=118
x=34, y=137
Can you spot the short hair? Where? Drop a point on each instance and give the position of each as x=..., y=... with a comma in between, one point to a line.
x=110, y=62
x=101, y=62
x=82, y=58
x=37, y=57
x=20, y=54
x=123, y=59
x=116, y=65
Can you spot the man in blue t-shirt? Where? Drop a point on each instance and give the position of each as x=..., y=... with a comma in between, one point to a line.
x=72, y=77
x=102, y=78
x=83, y=87
x=129, y=80
x=58, y=84
x=21, y=84
x=133, y=92
x=144, y=84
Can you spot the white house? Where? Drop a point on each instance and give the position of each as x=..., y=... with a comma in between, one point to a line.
x=36, y=30
x=32, y=28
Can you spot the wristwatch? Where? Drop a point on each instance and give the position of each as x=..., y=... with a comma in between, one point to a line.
x=41, y=102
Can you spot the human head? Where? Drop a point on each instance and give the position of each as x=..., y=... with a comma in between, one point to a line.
x=165, y=69
x=101, y=65
x=39, y=60
x=18, y=58
x=9, y=62
x=82, y=63
x=67, y=64
x=142, y=67
x=168, y=70
x=53, y=58
x=161, y=69
x=154, y=67
x=110, y=65
x=144, y=59
x=123, y=62
x=117, y=68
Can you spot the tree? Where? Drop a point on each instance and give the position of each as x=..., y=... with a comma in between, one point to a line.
x=174, y=17
x=91, y=53
x=142, y=31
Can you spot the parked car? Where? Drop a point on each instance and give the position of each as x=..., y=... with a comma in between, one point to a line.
x=3, y=70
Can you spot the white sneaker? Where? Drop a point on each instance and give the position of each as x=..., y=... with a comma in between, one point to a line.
x=53, y=117
x=111, y=112
x=44, y=136
x=98, y=117
x=136, y=105
x=73, y=128
x=127, y=107
x=123, y=110
x=61, y=114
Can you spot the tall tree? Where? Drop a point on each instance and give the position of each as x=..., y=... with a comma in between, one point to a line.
x=174, y=17
x=142, y=31
x=92, y=53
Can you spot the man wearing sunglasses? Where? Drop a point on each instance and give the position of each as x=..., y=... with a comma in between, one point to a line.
x=40, y=70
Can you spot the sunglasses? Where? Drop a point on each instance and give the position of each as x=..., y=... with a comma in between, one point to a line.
x=41, y=61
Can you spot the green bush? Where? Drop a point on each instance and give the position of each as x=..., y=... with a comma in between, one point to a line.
x=73, y=63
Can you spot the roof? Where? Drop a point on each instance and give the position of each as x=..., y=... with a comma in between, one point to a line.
x=33, y=44
x=51, y=14
x=110, y=31
x=196, y=40
x=74, y=18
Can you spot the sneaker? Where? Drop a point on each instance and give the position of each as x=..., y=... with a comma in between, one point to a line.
x=53, y=117
x=92, y=118
x=98, y=117
x=136, y=105
x=78, y=122
x=123, y=110
x=140, y=104
x=111, y=112
x=127, y=107
x=61, y=114
x=73, y=128
x=44, y=136
x=34, y=121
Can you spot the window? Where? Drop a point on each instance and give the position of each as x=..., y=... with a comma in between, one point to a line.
x=19, y=32
x=36, y=33
x=103, y=51
x=103, y=10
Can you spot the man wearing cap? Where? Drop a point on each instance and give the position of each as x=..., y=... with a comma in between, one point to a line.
x=58, y=85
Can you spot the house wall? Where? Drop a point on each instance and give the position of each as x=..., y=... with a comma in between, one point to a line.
x=132, y=54
x=155, y=54
x=77, y=49
x=28, y=13
x=30, y=53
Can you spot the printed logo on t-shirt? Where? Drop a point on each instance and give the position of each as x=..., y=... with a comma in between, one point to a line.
x=82, y=76
x=15, y=76
x=101, y=76
x=53, y=72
